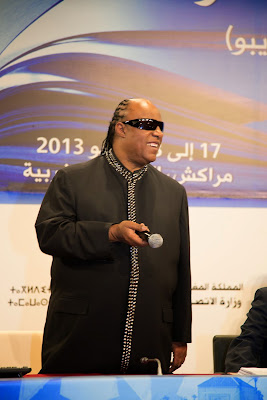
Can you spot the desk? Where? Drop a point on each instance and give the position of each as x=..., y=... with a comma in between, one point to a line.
x=200, y=387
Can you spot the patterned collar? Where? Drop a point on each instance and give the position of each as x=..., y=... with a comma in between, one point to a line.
x=128, y=175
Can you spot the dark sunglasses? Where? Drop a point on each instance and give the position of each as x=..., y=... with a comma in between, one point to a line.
x=145, y=123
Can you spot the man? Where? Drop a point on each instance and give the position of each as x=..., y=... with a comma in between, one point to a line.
x=249, y=349
x=115, y=300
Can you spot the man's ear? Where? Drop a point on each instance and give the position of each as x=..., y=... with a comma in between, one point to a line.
x=120, y=129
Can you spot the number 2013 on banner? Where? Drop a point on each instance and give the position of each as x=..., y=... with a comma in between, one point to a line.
x=54, y=145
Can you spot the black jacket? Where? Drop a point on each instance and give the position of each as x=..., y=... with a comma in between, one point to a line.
x=249, y=349
x=90, y=276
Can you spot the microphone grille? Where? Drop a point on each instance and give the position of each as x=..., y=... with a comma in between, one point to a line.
x=144, y=360
x=155, y=240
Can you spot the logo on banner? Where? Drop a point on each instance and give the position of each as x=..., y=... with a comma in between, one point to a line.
x=205, y=3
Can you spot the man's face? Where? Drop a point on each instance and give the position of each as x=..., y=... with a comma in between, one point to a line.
x=139, y=147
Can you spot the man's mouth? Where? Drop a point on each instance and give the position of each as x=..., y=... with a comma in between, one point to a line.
x=156, y=145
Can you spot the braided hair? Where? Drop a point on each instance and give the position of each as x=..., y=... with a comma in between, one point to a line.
x=118, y=115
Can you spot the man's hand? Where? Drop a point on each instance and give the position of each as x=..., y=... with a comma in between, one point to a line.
x=125, y=232
x=179, y=353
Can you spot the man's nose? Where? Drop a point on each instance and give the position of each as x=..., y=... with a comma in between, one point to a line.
x=158, y=132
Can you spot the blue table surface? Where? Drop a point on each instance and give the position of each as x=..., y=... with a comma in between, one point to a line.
x=129, y=387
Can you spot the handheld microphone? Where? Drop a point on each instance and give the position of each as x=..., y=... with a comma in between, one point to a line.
x=154, y=240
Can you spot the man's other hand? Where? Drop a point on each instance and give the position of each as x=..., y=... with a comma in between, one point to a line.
x=179, y=353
